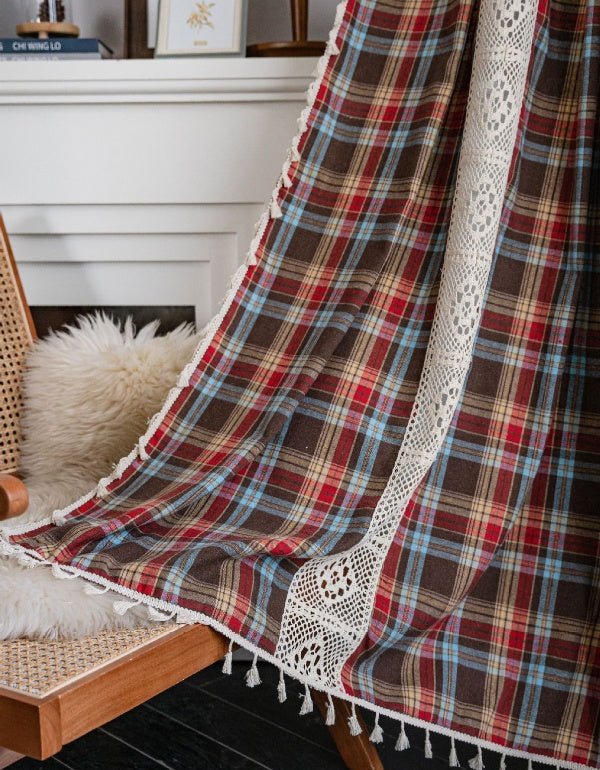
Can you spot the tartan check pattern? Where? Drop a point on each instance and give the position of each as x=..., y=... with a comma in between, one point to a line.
x=486, y=618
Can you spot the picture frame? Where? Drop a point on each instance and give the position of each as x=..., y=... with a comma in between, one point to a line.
x=201, y=28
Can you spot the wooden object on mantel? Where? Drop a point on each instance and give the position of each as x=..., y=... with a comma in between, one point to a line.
x=45, y=29
x=299, y=46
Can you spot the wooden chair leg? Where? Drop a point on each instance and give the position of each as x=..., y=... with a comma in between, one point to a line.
x=357, y=751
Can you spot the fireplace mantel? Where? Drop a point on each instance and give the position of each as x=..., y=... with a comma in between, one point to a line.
x=139, y=181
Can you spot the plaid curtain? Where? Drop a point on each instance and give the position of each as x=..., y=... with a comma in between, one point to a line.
x=274, y=453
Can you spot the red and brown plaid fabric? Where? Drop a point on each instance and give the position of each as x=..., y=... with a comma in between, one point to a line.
x=485, y=621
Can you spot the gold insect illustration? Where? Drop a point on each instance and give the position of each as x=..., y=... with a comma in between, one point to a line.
x=201, y=17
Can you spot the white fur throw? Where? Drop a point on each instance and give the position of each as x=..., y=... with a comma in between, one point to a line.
x=89, y=393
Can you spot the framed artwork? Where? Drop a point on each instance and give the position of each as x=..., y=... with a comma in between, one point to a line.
x=201, y=28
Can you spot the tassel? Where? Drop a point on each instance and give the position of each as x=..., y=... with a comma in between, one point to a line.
x=228, y=660
x=319, y=70
x=121, y=607
x=252, y=675
x=377, y=733
x=142, y=453
x=92, y=590
x=275, y=210
x=353, y=723
x=251, y=259
x=185, y=617
x=311, y=93
x=330, y=716
x=61, y=572
x=530, y=765
x=281, y=693
x=332, y=47
x=453, y=759
x=307, y=704
x=185, y=376
x=285, y=179
x=121, y=467
x=339, y=14
x=58, y=518
x=477, y=762
x=402, y=743
x=503, y=762
x=158, y=615
x=101, y=489
x=295, y=153
x=428, y=749
x=255, y=244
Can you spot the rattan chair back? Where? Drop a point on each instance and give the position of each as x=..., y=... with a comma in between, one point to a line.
x=16, y=338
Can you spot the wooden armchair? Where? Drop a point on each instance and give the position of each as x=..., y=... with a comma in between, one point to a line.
x=107, y=674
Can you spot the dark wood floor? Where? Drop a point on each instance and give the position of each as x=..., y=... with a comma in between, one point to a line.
x=214, y=722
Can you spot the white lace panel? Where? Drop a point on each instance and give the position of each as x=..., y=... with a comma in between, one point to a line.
x=331, y=598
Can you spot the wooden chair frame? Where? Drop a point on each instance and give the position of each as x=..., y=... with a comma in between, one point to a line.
x=38, y=727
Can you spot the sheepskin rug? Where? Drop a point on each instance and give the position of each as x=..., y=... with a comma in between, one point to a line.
x=90, y=391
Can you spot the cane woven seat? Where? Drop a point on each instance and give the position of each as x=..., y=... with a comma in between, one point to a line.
x=39, y=667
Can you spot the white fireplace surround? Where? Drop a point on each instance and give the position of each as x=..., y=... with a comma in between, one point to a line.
x=138, y=182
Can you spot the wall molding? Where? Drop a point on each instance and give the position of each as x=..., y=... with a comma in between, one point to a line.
x=200, y=80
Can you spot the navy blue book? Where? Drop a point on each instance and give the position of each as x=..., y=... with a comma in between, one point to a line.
x=53, y=48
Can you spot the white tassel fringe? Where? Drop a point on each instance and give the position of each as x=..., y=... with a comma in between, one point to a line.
x=453, y=758
x=121, y=607
x=330, y=716
x=275, y=210
x=285, y=176
x=402, y=743
x=228, y=660
x=377, y=733
x=353, y=723
x=58, y=518
x=477, y=762
x=281, y=692
x=101, y=489
x=307, y=704
x=159, y=615
x=57, y=571
x=252, y=676
x=185, y=617
x=428, y=749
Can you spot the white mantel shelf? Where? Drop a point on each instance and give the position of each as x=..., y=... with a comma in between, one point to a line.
x=154, y=80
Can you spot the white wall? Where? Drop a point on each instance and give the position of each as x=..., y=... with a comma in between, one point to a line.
x=267, y=19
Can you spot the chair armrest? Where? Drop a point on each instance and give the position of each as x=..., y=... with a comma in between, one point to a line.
x=13, y=496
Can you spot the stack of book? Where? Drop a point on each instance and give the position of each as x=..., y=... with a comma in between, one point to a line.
x=19, y=49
